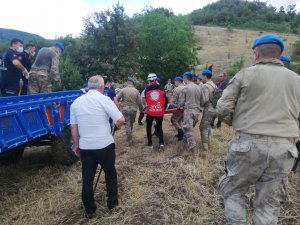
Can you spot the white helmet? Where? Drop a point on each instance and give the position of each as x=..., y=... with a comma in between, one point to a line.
x=152, y=77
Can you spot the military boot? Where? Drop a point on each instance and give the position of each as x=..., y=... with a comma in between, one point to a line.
x=180, y=135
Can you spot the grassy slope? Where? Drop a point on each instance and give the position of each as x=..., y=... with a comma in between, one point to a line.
x=222, y=47
x=156, y=188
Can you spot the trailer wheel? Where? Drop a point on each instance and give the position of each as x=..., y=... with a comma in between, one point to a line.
x=12, y=156
x=62, y=148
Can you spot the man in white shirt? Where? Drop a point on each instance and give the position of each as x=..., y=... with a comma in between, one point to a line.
x=94, y=142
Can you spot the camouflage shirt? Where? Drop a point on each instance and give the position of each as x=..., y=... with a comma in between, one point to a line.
x=47, y=60
x=131, y=99
x=190, y=97
x=207, y=91
x=169, y=88
x=176, y=94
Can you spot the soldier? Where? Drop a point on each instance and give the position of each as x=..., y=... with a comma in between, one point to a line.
x=177, y=118
x=190, y=101
x=46, y=63
x=208, y=110
x=169, y=87
x=131, y=100
x=199, y=81
x=286, y=60
x=261, y=101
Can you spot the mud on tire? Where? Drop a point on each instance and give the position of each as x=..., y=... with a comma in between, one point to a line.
x=62, y=148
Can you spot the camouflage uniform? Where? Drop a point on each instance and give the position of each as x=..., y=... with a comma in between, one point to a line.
x=131, y=100
x=169, y=91
x=46, y=64
x=177, y=118
x=208, y=113
x=263, y=150
x=190, y=101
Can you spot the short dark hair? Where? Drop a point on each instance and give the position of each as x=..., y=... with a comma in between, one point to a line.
x=269, y=50
x=15, y=41
x=106, y=80
x=29, y=45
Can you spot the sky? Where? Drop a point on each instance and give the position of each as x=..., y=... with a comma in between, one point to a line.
x=56, y=18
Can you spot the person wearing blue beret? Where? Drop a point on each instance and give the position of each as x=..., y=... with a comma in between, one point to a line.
x=261, y=102
x=209, y=111
x=44, y=68
x=286, y=60
x=177, y=117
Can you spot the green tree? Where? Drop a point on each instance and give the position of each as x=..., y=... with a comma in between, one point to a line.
x=236, y=67
x=166, y=44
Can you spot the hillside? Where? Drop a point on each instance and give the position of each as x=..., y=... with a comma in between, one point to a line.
x=222, y=47
x=7, y=34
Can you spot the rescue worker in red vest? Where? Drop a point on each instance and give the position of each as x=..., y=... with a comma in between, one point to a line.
x=156, y=102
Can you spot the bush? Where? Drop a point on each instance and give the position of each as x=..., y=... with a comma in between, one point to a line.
x=236, y=67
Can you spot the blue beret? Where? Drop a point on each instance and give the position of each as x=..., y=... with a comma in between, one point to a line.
x=60, y=45
x=285, y=58
x=199, y=78
x=158, y=79
x=207, y=72
x=178, y=78
x=85, y=85
x=190, y=74
x=268, y=39
x=130, y=79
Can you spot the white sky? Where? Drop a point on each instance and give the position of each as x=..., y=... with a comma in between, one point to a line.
x=61, y=17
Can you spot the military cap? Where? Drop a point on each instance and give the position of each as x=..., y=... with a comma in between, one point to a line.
x=207, y=73
x=130, y=79
x=268, y=39
x=178, y=78
x=60, y=45
x=285, y=58
x=190, y=74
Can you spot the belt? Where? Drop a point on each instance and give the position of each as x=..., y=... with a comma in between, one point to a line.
x=265, y=138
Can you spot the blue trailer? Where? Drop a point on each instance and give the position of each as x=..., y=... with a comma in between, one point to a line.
x=35, y=120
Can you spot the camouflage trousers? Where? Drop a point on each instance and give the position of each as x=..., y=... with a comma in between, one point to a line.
x=129, y=116
x=169, y=96
x=176, y=120
x=39, y=82
x=190, y=118
x=205, y=128
x=257, y=160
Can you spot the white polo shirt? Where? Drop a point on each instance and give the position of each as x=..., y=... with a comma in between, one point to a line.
x=91, y=112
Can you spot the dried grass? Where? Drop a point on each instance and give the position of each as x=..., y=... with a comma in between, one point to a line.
x=155, y=187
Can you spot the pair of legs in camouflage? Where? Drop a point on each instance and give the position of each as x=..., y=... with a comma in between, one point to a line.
x=190, y=118
x=176, y=121
x=257, y=160
x=129, y=116
x=39, y=82
x=205, y=128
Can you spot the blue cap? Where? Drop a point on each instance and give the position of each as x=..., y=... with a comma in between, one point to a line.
x=130, y=79
x=199, y=78
x=207, y=73
x=85, y=85
x=60, y=45
x=190, y=74
x=285, y=58
x=268, y=39
x=178, y=78
x=158, y=79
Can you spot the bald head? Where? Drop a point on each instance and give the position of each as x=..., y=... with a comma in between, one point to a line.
x=96, y=82
x=267, y=51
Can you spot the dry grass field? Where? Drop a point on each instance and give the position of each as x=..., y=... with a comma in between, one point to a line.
x=222, y=47
x=155, y=187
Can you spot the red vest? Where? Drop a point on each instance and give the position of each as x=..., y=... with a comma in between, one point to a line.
x=155, y=103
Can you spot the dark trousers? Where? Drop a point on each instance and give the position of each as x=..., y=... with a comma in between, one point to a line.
x=159, y=120
x=141, y=116
x=90, y=160
x=25, y=86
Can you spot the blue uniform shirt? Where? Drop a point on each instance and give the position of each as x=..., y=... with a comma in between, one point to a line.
x=109, y=92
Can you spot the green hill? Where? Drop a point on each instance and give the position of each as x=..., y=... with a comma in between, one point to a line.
x=7, y=34
x=248, y=14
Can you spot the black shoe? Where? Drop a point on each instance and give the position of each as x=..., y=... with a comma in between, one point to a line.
x=149, y=145
x=140, y=123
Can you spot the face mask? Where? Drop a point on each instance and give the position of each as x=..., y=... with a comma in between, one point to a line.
x=19, y=49
x=32, y=54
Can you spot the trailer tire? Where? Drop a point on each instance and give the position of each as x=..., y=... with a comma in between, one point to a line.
x=12, y=156
x=62, y=148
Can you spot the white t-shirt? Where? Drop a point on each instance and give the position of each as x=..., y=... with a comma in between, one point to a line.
x=91, y=112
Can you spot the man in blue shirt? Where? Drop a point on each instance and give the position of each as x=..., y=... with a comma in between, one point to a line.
x=108, y=91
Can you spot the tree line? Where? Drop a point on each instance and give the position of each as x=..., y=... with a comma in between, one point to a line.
x=248, y=14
